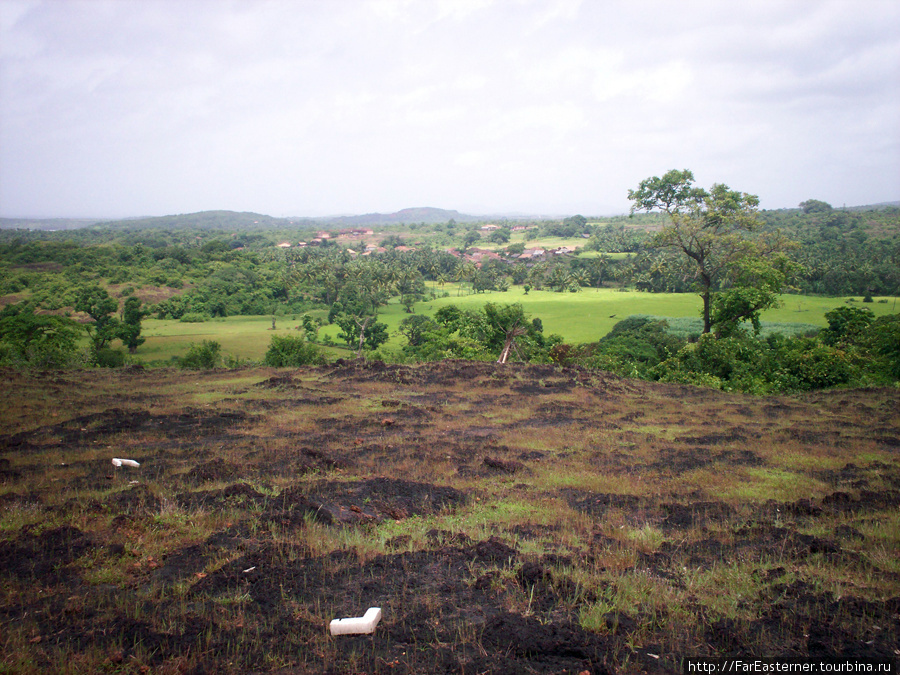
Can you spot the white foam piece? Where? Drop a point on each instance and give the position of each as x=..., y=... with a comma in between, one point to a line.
x=357, y=625
x=124, y=462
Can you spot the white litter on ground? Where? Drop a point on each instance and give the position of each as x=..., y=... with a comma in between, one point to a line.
x=357, y=625
x=124, y=462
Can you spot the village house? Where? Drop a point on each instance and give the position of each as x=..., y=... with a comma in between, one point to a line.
x=475, y=255
x=356, y=232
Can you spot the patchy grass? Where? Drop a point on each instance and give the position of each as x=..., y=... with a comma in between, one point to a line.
x=516, y=518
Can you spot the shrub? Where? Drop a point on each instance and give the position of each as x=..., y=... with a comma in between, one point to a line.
x=806, y=364
x=107, y=357
x=633, y=347
x=37, y=340
x=732, y=364
x=291, y=351
x=203, y=356
x=194, y=317
x=882, y=340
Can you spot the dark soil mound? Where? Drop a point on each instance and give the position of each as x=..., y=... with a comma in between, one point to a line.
x=235, y=495
x=43, y=556
x=95, y=427
x=391, y=498
x=213, y=470
x=506, y=519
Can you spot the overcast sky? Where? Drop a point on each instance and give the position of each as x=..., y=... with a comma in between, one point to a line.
x=293, y=108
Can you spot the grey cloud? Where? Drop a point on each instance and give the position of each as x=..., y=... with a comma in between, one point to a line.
x=157, y=106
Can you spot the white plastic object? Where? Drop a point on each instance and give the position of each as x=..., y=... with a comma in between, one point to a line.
x=124, y=462
x=357, y=625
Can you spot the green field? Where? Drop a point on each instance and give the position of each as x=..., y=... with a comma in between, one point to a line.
x=578, y=317
x=533, y=241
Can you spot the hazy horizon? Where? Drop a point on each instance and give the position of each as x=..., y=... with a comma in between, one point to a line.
x=508, y=214
x=300, y=108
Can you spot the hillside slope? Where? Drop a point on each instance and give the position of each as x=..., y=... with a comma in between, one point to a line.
x=517, y=518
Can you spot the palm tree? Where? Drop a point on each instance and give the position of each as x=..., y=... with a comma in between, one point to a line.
x=470, y=271
x=580, y=278
x=433, y=269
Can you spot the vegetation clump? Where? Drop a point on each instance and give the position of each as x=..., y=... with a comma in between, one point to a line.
x=203, y=356
x=292, y=351
x=37, y=340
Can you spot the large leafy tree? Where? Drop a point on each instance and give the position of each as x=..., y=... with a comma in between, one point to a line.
x=714, y=231
x=362, y=331
x=130, y=328
x=755, y=284
x=96, y=303
x=41, y=340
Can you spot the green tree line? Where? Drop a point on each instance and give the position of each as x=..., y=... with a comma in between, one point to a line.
x=680, y=238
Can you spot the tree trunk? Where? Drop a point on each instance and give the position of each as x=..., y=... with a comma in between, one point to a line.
x=707, y=300
x=504, y=355
x=362, y=335
x=707, y=320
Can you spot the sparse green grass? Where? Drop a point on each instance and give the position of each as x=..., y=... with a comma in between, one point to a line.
x=753, y=484
x=646, y=538
x=590, y=510
x=741, y=580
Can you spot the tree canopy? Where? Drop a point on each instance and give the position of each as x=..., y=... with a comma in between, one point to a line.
x=714, y=231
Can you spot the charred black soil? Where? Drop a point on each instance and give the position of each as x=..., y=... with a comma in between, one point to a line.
x=507, y=519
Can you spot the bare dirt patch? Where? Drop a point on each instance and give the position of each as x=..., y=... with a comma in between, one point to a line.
x=515, y=518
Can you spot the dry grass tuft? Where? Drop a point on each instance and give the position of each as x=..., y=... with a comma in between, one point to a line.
x=506, y=519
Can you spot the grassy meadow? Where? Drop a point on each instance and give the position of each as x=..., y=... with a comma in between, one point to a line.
x=578, y=317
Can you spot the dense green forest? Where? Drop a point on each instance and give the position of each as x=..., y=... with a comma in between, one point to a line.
x=108, y=276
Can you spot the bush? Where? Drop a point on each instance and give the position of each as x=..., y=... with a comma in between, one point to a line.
x=107, y=357
x=206, y=355
x=194, y=317
x=634, y=346
x=806, y=364
x=732, y=364
x=37, y=341
x=291, y=351
x=882, y=342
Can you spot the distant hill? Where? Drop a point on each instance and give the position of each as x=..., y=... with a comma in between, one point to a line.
x=873, y=207
x=211, y=220
x=48, y=224
x=423, y=214
x=234, y=220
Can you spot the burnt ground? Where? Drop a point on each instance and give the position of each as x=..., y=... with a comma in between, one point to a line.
x=507, y=519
